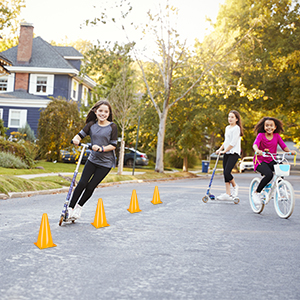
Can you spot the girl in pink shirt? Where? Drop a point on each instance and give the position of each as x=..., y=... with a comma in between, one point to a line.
x=267, y=130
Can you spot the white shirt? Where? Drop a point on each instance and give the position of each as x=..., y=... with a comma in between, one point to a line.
x=233, y=138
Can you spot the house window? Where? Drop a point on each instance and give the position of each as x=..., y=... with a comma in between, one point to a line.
x=17, y=118
x=3, y=83
x=41, y=85
x=84, y=97
x=74, y=92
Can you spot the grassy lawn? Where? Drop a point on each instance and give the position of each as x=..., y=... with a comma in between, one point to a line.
x=10, y=183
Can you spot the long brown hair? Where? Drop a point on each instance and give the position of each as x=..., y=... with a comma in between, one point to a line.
x=260, y=126
x=91, y=116
x=239, y=121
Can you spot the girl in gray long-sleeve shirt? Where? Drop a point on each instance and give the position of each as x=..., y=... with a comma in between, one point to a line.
x=104, y=135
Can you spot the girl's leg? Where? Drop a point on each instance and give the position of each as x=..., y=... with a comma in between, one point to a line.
x=99, y=175
x=229, y=161
x=267, y=170
x=88, y=171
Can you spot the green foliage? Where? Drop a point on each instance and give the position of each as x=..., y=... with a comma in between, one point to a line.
x=9, y=11
x=2, y=128
x=25, y=150
x=59, y=122
x=175, y=160
x=8, y=160
x=27, y=133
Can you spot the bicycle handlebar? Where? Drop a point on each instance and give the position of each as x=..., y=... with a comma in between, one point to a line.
x=266, y=154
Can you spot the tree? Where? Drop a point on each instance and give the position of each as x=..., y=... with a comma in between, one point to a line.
x=9, y=12
x=124, y=102
x=59, y=122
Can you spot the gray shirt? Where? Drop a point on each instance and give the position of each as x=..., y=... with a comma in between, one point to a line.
x=101, y=136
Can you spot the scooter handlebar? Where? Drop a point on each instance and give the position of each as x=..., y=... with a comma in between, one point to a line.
x=82, y=144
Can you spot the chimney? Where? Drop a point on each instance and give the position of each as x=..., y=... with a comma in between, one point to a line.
x=25, y=43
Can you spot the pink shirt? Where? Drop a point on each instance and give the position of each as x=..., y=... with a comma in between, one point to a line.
x=263, y=143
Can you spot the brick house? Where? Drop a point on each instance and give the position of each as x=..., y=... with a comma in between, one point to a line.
x=38, y=71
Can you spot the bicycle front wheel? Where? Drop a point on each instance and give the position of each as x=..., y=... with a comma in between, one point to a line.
x=284, y=199
x=257, y=208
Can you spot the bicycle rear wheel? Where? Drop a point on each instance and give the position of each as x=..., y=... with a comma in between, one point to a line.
x=257, y=208
x=284, y=200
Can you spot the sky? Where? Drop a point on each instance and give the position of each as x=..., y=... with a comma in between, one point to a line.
x=60, y=20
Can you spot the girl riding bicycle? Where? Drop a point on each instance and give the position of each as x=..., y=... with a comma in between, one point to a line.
x=267, y=130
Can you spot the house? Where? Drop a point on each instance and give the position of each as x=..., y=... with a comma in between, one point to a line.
x=38, y=71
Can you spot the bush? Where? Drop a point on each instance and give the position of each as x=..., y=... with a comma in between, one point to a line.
x=28, y=133
x=8, y=160
x=2, y=128
x=26, y=151
x=175, y=160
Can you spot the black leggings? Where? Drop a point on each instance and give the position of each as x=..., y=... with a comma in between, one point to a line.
x=92, y=175
x=229, y=161
x=267, y=170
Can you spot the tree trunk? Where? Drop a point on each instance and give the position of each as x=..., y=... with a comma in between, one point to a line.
x=121, y=155
x=185, y=164
x=159, y=166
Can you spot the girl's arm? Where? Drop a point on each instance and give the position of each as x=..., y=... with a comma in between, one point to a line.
x=107, y=148
x=227, y=149
x=286, y=149
x=76, y=140
x=257, y=151
x=220, y=149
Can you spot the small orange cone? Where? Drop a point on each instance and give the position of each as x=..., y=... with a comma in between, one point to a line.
x=156, y=198
x=134, y=204
x=45, y=238
x=100, y=218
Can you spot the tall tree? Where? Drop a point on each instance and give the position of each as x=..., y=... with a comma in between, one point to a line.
x=58, y=124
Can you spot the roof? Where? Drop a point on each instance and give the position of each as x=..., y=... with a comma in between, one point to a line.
x=20, y=94
x=68, y=51
x=4, y=62
x=43, y=55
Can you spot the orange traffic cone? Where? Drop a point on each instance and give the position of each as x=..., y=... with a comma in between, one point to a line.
x=134, y=204
x=156, y=198
x=100, y=218
x=45, y=238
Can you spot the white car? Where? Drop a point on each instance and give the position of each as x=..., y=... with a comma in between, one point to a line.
x=246, y=163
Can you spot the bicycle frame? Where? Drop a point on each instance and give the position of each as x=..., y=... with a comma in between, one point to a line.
x=279, y=189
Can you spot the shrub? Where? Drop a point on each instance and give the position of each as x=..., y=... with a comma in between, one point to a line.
x=8, y=160
x=28, y=133
x=26, y=151
x=2, y=128
x=175, y=160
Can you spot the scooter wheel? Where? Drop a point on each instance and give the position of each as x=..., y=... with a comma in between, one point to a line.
x=236, y=200
x=205, y=199
x=61, y=220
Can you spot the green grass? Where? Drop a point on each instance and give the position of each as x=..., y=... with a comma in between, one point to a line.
x=10, y=183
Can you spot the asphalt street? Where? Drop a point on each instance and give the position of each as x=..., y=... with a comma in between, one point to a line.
x=180, y=249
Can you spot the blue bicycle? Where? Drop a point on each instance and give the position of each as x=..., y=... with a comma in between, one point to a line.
x=279, y=189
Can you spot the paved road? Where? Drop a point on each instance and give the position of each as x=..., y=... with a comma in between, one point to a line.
x=181, y=249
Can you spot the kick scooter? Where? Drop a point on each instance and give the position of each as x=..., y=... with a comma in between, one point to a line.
x=64, y=217
x=208, y=195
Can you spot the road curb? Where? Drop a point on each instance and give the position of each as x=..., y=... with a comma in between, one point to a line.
x=101, y=185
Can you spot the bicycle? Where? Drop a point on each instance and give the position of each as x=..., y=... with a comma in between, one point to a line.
x=279, y=189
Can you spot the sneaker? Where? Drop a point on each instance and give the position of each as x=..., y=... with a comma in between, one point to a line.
x=224, y=197
x=77, y=212
x=70, y=212
x=235, y=191
x=256, y=198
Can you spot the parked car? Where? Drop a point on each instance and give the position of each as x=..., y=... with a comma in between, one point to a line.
x=141, y=158
x=72, y=153
x=246, y=163
x=214, y=156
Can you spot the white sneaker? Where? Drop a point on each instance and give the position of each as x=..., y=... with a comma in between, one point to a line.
x=256, y=198
x=224, y=197
x=70, y=212
x=77, y=212
x=235, y=191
